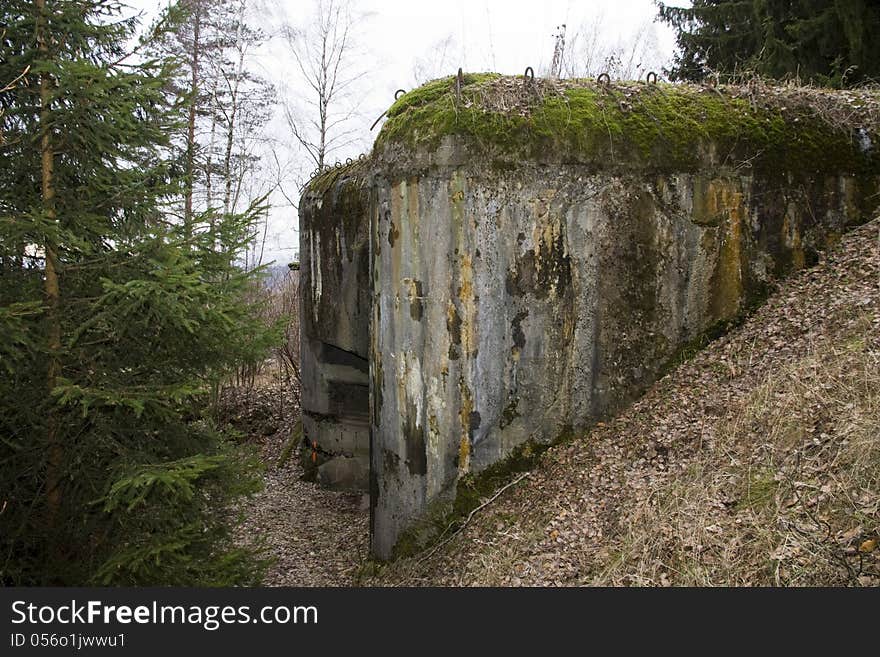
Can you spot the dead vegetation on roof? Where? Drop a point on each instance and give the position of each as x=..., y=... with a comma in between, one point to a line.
x=655, y=126
x=847, y=110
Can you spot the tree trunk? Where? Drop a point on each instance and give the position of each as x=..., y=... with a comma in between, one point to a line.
x=209, y=192
x=233, y=111
x=191, y=125
x=227, y=161
x=55, y=454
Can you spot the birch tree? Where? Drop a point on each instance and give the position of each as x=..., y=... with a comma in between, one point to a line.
x=324, y=50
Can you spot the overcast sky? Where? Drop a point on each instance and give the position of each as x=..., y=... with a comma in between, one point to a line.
x=396, y=37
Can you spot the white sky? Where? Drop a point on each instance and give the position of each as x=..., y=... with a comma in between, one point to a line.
x=487, y=35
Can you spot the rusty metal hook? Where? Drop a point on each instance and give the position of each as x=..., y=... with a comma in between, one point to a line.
x=397, y=95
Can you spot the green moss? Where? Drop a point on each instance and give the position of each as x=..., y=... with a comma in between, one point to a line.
x=324, y=181
x=294, y=441
x=444, y=517
x=473, y=489
x=665, y=126
x=437, y=90
x=759, y=491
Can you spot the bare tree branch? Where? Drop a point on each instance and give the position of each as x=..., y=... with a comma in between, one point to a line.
x=324, y=54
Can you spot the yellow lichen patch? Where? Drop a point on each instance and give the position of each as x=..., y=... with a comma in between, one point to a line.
x=727, y=283
x=791, y=237
x=452, y=321
x=466, y=289
x=709, y=202
x=568, y=323
x=464, y=447
x=468, y=306
x=547, y=232
x=547, y=236
x=464, y=456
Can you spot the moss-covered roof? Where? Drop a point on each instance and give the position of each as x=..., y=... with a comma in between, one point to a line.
x=324, y=180
x=661, y=126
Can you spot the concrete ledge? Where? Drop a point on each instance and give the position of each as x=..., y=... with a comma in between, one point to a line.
x=345, y=473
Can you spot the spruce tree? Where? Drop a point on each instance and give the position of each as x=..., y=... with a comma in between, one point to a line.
x=833, y=43
x=116, y=319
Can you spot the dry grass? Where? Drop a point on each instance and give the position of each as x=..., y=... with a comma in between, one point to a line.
x=788, y=492
x=847, y=110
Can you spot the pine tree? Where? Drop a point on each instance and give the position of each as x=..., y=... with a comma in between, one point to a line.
x=227, y=103
x=116, y=319
x=832, y=43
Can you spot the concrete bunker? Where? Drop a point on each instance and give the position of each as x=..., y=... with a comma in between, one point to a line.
x=335, y=332
x=517, y=259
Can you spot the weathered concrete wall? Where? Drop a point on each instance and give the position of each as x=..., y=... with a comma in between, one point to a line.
x=521, y=305
x=335, y=327
x=517, y=260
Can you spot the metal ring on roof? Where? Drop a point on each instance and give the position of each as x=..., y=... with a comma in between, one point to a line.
x=651, y=77
x=605, y=77
x=399, y=93
x=530, y=74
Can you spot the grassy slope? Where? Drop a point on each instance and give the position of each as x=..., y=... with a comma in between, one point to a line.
x=755, y=463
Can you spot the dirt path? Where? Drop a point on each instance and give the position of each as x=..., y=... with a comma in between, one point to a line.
x=316, y=537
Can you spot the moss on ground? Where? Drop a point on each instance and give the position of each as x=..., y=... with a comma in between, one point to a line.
x=663, y=126
x=444, y=518
x=758, y=491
